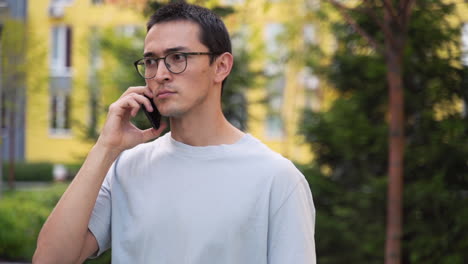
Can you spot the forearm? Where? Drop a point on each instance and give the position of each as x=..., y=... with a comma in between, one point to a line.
x=64, y=232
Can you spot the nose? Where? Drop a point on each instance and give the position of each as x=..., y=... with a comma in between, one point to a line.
x=162, y=73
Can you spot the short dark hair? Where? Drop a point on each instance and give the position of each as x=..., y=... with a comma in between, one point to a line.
x=213, y=32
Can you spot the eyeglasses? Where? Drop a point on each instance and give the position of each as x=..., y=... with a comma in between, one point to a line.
x=175, y=62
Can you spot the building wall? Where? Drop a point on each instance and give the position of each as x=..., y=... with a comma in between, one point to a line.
x=80, y=16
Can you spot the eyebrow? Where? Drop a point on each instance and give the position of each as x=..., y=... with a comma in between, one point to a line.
x=166, y=51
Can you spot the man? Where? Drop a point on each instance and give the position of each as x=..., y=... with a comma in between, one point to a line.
x=203, y=193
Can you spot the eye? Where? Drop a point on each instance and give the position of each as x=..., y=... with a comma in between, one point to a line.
x=150, y=62
x=177, y=57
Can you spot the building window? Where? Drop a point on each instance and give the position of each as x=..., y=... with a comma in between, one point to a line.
x=274, y=120
x=309, y=34
x=4, y=111
x=274, y=69
x=95, y=60
x=233, y=2
x=127, y=31
x=464, y=41
x=274, y=127
x=60, y=79
x=311, y=84
x=57, y=8
x=273, y=31
x=60, y=113
x=95, y=64
x=276, y=54
x=61, y=59
x=64, y=2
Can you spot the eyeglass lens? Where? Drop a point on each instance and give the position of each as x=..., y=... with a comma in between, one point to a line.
x=175, y=63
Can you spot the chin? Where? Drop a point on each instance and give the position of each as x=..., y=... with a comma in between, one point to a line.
x=172, y=112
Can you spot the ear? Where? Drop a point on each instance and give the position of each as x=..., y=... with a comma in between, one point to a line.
x=223, y=66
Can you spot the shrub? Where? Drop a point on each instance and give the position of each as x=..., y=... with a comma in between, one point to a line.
x=22, y=214
x=38, y=171
x=30, y=171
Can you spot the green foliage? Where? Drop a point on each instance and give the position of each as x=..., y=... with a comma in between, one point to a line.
x=40, y=171
x=30, y=171
x=349, y=176
x=125, y=49
x=233, y=98
x=22, y=214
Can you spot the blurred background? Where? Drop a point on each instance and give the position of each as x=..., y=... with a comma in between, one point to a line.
x=313, y=79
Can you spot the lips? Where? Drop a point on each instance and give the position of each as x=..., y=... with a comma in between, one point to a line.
x=164, y=94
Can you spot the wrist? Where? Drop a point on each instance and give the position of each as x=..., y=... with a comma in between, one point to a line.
x=109, y=151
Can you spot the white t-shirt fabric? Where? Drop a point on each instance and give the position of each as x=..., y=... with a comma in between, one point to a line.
x=171, y=203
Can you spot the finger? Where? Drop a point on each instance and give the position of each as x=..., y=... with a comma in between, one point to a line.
x=121, y=107
x=143, y=100
x=130, y=103
x=151, y=133
x=138, y=90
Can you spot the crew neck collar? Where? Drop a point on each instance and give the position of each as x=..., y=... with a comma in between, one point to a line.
x=211, y=151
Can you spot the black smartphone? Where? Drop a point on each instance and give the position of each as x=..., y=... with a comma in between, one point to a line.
x=154, y=117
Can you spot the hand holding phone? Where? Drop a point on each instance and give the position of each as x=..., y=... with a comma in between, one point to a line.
x=154, y=117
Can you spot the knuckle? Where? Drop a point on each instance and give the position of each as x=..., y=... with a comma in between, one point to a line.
x=128, y=98
x=112, y=106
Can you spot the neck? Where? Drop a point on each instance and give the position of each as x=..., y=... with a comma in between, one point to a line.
x=204, y=129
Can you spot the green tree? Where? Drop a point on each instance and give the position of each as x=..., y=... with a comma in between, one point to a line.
x=350, y=141
x=124, y=49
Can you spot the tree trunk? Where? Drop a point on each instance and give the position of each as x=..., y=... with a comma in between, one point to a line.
x=1, y=112
x=393, y=54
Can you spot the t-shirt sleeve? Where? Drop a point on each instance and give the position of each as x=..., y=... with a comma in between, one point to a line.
x=100, y=221
x=291, y=228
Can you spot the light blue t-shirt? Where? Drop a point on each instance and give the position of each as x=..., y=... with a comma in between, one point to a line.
x=170, y=203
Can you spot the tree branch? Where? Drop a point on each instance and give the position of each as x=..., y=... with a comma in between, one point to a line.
x=406, y=11
x=385, y=27
x=391, y=9
x=372, y=14
x=345, y=13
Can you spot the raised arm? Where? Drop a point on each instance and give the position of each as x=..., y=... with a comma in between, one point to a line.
x=65, y=238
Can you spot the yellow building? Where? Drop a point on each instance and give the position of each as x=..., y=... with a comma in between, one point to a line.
x=63, y=48
x=62, y=41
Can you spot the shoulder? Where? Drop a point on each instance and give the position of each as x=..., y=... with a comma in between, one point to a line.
x=284, y=176
x=277, y=166
x=144, y=152
x=257, y=150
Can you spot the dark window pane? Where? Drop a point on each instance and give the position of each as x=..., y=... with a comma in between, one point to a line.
x=67, y=112
x=53, y=112
x=68, y=49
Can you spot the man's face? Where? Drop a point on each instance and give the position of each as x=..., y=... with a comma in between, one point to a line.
x=191, y=90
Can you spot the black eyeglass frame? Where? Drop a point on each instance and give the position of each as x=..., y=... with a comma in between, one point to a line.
x=185, y=54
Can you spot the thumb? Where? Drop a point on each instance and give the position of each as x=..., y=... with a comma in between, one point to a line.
x=151, y=133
